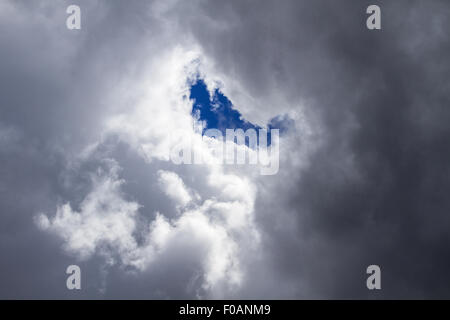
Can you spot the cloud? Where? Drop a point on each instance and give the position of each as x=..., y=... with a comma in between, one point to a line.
x=88, y=120
x=106, y=226
x=105, y=221
x=214, y=221
x=174, y=187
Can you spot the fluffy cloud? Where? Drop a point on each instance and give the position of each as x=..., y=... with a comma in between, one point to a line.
x=174, y=187
x=106, y=225
x=104, y=222
x=214, y=218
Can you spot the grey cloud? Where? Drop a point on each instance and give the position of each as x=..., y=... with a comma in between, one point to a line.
x=374, y=191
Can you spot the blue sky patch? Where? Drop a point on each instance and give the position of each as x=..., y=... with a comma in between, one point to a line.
x=218, y=112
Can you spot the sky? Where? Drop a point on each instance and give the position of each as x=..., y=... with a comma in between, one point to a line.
x=216, y=111
x=88, y=119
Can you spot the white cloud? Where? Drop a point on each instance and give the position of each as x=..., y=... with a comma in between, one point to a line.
x=105, y=221
x=106, y=224
x=174, y=187
x=216, y=212
x=215, y=222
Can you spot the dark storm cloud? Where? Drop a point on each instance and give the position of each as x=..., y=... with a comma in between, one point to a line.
x=374, y=193
x=393, y=213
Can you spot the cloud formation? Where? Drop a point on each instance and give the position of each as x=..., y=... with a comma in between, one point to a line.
x=89, y=117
